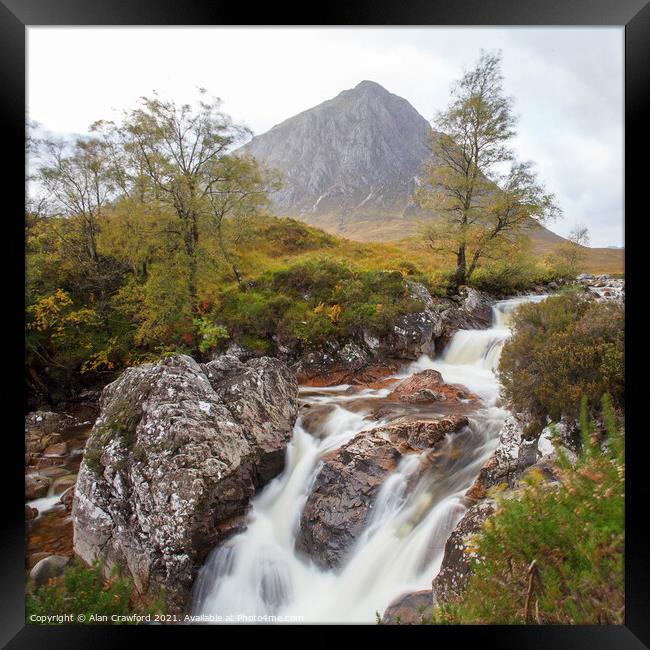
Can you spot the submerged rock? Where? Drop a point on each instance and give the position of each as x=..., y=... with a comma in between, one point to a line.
x=178, y=450
x=338, y=507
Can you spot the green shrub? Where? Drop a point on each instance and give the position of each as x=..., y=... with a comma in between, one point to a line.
x=574, y=535
x=563, y=348
x=314, y=301
x=84, y=591
x=209, y=333
x=512, y=273
x=291, y=236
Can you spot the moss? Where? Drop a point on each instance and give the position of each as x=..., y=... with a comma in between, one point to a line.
x=92, y=457
x=122, y=418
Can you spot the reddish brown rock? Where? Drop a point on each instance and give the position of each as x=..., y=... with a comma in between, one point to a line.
x=36, y=486
x=30, y=513
x=60, y=485
x=67, y=497
x=429, y=386
x=337, y=510
x=366, y=376
x=314, y=416
x=57, y=449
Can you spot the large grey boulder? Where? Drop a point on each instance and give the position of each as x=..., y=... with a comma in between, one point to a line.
x=175, y=455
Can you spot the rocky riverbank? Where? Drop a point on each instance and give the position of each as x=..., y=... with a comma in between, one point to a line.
x=514, y=457
x=179, y=450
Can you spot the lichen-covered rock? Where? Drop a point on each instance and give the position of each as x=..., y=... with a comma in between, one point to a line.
x=333, y=365
x=503, y=466
x=318, y=370
x=568, y=436
x=409, y=609
x=177, y=450
x=456, y=562
x=414, y=334
x=338, y=507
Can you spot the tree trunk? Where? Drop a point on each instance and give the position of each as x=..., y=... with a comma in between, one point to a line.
x=191, y=240
x=473, y=264
x=461, y=266
x=226, y=255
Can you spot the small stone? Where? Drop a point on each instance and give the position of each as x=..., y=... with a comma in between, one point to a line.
x=49, y=567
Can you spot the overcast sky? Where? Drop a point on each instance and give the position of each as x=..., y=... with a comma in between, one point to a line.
x=567, y=84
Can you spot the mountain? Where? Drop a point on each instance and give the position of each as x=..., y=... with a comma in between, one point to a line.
x=350, y=165
x=348, y=160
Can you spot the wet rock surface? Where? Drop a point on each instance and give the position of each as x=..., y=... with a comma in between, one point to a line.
x=429, y=386
x=471, y=309
x=177, y=452
x=54, y=444
x=338, y=507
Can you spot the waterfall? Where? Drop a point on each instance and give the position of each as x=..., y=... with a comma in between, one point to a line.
x=258, y=574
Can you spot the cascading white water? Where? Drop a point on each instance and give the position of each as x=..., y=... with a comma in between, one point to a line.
x=259, y=576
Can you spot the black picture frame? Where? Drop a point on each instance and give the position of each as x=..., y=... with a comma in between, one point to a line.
x=633, y=15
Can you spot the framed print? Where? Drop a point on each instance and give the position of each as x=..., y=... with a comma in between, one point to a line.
x=327, y=324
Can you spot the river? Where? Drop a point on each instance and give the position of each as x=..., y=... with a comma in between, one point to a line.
x=258, y=573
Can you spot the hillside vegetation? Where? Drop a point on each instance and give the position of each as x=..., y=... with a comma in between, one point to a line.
x=77, y=336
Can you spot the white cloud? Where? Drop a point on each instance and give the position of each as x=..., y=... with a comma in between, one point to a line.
x=567, y=83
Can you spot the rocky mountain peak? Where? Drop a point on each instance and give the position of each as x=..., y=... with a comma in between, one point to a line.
x=354, y=155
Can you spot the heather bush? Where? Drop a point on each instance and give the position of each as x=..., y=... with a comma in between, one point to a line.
x=562, y=349
x=553, y=554
x=83, y=591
